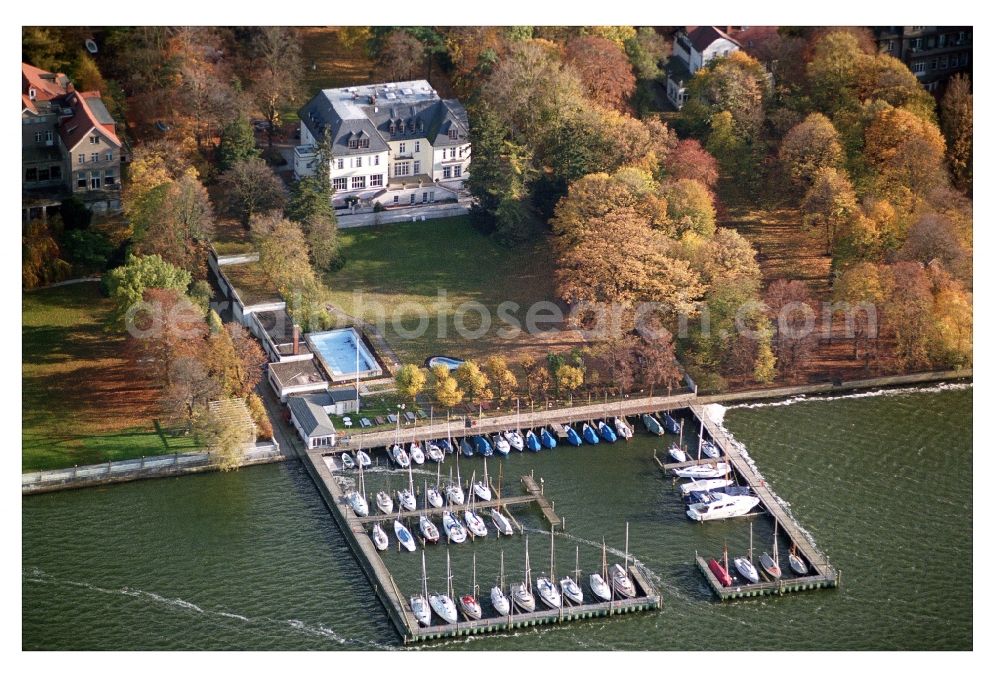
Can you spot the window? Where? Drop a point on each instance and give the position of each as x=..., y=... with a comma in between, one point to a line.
x=55, y=172
x=425, y=197
x=416, y=146
x=453, y=134
x=95, y=180
x=81, y=158
x=402, y=148
x=95, y=157
x=413, y=198
x=453, y=153
x=363, y=143
x=357, y=182
x=340, y=162
x=934, y=63
x=43, y=174
x=340, y=184
x=38, y=137
x=432, y=195
x=965, y=58
x=954, y=61
x=352, y=143
x=401, y=169
x=376, y=160
x=48, y=136
x=357, y=162
x=31, y=174
x=458, y=172
x=109, y=156
x=94, y=140
x=416, y=167
x=81, y=179
x=109, y=177
x=447, y=172
x=918, y=67
x=375, y=180
x=395, y=199
x=916, y=44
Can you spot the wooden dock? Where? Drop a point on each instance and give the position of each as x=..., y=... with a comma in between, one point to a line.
x=825, y=575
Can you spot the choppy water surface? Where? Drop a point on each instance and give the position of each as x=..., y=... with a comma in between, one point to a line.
x=253, y=560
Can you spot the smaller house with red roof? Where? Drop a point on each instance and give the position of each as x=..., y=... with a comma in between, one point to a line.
x=694, y=48
x=68, y=145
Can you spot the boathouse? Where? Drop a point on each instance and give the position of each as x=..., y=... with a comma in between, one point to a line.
x=312, y=422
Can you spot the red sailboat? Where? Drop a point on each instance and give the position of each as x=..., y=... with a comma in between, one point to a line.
x=721, y=572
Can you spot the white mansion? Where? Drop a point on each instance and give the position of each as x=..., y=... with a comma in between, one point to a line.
x=396, y=143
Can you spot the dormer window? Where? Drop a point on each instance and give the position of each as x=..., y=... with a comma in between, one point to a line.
x=32, y=93
x=94, y=140
x=453, y=134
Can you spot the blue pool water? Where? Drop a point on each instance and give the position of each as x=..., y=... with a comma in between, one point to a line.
x=337, y=348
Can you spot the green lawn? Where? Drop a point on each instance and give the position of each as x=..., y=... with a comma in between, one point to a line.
x=83, y=400
x=401, y=267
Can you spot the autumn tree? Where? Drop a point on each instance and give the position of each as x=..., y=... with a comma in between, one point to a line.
x=40, y=256
x=935, y=237
x=829, y=204
x=252, y=188
x=657, y=364
x=905, y=152
x=809, y=146
x=795, y=337
x=284, y=259
x=126, y=284
x=503, y=382
x=191, y=386
x=604, y=70
x=472, y=380
x=260, y=418
x=690, y=207
x=568, y=379
x=236, y=142
x=951, y=336
x=859, y=294
x=410, y=381
x=277, y=67
x=43, y=47
x=224, y=432
x=687, y=159
x=400, y=57
x=177, y=222
x=736, y=84
x=908, y=314
x=956, y=123
x=446, y=391
x=646, y=50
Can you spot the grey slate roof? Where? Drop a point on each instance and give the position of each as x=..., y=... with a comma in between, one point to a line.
x=311, y=416
x=384, y=113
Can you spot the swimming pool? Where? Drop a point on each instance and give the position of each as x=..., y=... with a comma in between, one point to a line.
x=452, y=364
x=343, y=354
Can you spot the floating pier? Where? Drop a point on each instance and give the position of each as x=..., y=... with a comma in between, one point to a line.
x=824, y=574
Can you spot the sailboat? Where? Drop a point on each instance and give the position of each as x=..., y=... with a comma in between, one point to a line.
x=454, y=491
x=380, y=539
x=708, y=449
x=548, y=439
x=466, y=447
x=598, y=583
x=521, y=591
x=384, y=502
x=483, y=447
x=572, y=437
x=620, y=580
x=403, y=535
x=442, y=604
x=769, y=562
x=532, y=442
x=652, y=425
x=672, y=425
x=606, y=432
x=364, y=459
x=399, y=456
x=407, y=500
x=347, y=461
x=454, y=528
x=429, y=530
x=433, y=493
x=744, y=564
x=434, y=452
x=416, y=454
x=445, y=445
x=721, y=571
x=501, y=445
x=589, y=435
x=475, y=523
x=571, y=586
x=547, y=590
x=357, y=498
x=677, y=453
x=418, y=604
x=624, y=429
x=501, y=522
x=500, y=602
x=796, y=563
x=469, y=603
x=482, y=488
x=714, y=470
x=515, y=440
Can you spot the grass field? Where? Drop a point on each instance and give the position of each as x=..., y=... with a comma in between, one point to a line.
x=401, y=267
x=83, y=401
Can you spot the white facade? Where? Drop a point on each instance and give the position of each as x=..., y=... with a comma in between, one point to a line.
x=693, y=51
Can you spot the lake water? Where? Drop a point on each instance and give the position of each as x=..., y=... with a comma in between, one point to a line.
x=253, y=559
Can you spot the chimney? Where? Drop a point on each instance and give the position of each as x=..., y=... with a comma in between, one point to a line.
x=295, y=338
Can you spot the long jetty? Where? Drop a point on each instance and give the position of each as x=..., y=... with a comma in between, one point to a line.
x=824, y=574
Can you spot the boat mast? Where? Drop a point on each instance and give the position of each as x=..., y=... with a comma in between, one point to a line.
x=577, y=571
x=626, y=546
x=423, y=566
x=475, y=589
x=552, y=552
x=527, y=566
x=725, y=556
x=501, y=571
x=604, y=559
x=751, y=542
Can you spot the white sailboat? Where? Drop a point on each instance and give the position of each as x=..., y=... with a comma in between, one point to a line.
x=501, y=522
x=364, y=459
x=434, y=498
x=796, y=563
x=550, y=594
x=404, y=536
x=500, y=602
x=454, y=528
x=704, y=485
x=620, y=580
x=380, y=539
x=475, y=523
x=416, y=454
x=623, y=428
x=346, y=461
x=429, y=530
x=399, y=456
x=744, y=564
x=357, y=498
x=469, y=603
x=407, y=500
x=434, y=452
x=769, y=562
x=722, y=506
x=520, y=592
x=714, y=470
x=500, y=444
x=384, y=502
x=482, y=488
x=454, y=492
x=677, y=453
x=571, y=585
x=515, y=440
x=598, y=583
x=442, y=604
x=418, y=603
